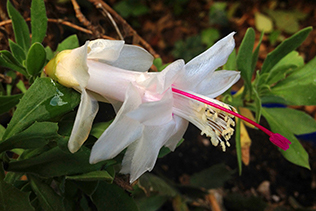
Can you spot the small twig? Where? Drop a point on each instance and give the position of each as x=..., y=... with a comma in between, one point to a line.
x=63, y=22
x=2, y=23
x=5, y=79
x=107, y=14
x=129, y=29
x=83, y=19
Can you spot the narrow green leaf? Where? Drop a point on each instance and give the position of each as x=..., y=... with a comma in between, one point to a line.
x=20, y=28
x=220, y=174
x=36, y=59
x=8, y=102
x=12, y=198
x=165, y=150
x=297, y=121
x=258, y=105
x=70, y=42
x=5, y=63
x=38, y=20
x=284, y=48
x=256, y=54
x=43, y=101
x=238, y=147
x=284, y=66
x=111, y=197
x=92, y=176
x=99, y=128
x=151, y=183
x=21, y=86
x=296, y=153
x=56, y=162
x=48, y=199
x=299, y=87
x=17, y=51
x=37, y=135
x=151, y=203
x=49, y=53
x=231, y=62
x=2, y=130
x=244, y=61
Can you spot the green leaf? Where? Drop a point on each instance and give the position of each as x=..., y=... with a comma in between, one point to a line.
x=2, y=130
x=299, y=87
x=49, y=53
x=111, y=197
x=231, y=62
x=238, y=146
x=12, y=198
x=263, y=23
x=43, y=101
x=70, y=42
x=165, y=150
x=7, y=60
x=99, y=128
x=151, y=203
x=8, y=102
x=20, y=28
x=255, y=54
x=258, y=106
x=150, y=183
x=296, y=153
x=48, y=199
x=244, y=63
x=284, y=66
x=36, y=59
x=297, y=121
x=209, y=36
x=287, y=20
x=38, y=21
x=56, y=162
x=284, y=48
x=220, y=174
x=37, y=135
x=17, y=51
x=92, y=176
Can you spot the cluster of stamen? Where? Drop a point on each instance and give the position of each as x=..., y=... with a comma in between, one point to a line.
x=217, y=124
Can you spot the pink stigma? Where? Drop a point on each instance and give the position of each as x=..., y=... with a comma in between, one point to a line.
x=275, y=138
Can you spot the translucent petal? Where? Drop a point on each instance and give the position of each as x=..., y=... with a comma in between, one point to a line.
x=121, y=133
x=133, y=58
x=217, y=83
x=88, y=108
x=141, y=156
x=106, y=50
x=147, y=112
x=181, y=127
x=109, y=81
x=206, y=63
x=159, y=82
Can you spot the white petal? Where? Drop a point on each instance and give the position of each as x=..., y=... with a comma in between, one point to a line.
x=109, y=81
x=88, y=108
x=206, y=63
x=106, y=50
x=218, y=83
x=160, y=81
x=121, y=133
x=133, y=58
x=181, y=127
x=141, y=156
x=154, y=113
